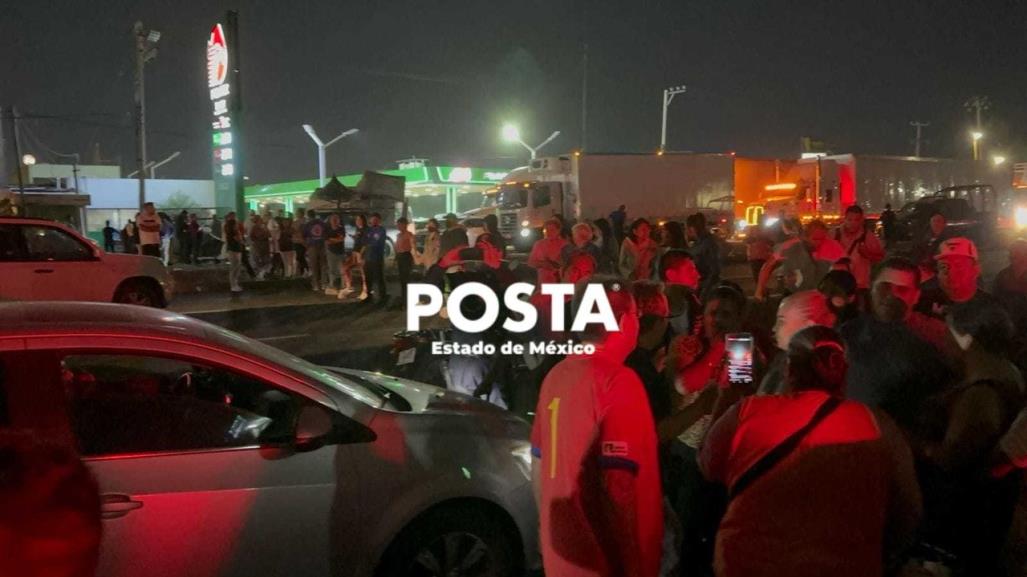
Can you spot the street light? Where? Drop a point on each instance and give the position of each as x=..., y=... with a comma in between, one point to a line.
x=976, y=136
x=321, y=146
x=28, y=160
x=512, y=134
x=668, y=97
x=998, y=160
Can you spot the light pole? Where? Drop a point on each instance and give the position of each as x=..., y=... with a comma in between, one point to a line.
x=668, y=97
x=145, y=50
x=321, y=146
x=155, y=165
x=512, y=134
x=976, y=137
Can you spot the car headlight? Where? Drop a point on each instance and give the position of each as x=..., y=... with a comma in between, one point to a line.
x=522, y=457
x=525, y=223
x=1020, y=216
x=525, y=232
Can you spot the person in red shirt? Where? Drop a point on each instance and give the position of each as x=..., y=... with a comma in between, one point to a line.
x=546, y=254
x=595, y=468
x=839, y=503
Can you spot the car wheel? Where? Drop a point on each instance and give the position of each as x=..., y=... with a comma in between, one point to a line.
x=458, y=541
x=137, y=293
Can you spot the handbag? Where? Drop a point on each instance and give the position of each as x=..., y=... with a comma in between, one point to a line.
x=697, y=558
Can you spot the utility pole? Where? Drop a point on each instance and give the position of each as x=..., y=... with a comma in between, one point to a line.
x=584, y=98
x=18, y=164
x=3, y=148
x=145, y=50
x=140, y=111
x=668, y=97
x=919, y=131
x=977, y=104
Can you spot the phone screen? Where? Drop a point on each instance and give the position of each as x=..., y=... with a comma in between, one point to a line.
x=739, y=358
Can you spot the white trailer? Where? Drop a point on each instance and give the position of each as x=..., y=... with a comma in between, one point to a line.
x=589, y=186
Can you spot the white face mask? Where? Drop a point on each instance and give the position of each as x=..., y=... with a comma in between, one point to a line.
x=964, y=341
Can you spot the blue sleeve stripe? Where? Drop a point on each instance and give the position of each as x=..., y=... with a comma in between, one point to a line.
x=536, y=452
x=618, y=463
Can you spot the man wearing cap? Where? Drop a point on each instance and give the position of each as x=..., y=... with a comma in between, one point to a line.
x=454, y=236
x=958, y=273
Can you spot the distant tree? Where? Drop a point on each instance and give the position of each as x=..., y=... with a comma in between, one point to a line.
x=179, y=201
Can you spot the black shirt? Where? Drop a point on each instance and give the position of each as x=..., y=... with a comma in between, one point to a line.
x=892, y=369
x=934, y=302
x=641, y=361
x=336, y=234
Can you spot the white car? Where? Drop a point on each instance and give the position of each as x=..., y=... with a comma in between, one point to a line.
x=43, y=260
x=219, y=456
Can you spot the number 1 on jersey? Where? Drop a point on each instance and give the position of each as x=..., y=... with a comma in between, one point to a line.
x=554, y=416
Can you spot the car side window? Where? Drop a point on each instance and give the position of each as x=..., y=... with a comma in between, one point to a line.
x=11, y=246
x=143, y=404
x=44, y=243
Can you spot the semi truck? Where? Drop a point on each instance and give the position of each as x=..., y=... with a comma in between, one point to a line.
x=659, y=187
x=825, y=186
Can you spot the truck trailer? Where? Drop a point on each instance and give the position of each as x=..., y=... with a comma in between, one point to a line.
x=659, y=187
x=825, y=186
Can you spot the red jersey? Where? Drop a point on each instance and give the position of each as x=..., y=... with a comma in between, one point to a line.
x=593, y=415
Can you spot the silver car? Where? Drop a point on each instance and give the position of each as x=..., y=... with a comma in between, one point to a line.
x=219, y=455
x=46, y=260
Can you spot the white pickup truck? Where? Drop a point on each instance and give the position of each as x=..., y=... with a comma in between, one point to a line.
x=46, y=260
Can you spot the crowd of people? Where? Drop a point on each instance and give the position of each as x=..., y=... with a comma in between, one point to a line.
x=883, y=433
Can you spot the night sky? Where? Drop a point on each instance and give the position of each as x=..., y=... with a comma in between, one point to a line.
x=437, y=79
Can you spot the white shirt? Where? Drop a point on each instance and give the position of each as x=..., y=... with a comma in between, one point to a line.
x=147, y=237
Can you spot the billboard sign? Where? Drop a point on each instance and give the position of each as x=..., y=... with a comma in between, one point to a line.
x=223, y=91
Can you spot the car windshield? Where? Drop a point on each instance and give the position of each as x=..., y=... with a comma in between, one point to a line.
x=512, y=196
x=373, y=396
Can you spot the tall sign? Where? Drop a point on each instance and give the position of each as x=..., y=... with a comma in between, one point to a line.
x=226, y=112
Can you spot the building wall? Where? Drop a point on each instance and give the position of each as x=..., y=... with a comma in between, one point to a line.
x=117, y=199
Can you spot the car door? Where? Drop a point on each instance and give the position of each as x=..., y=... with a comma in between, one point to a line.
x=61, y=267
x=15, y=271
x=196, y=478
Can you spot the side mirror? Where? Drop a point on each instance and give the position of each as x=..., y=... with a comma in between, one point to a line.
x=313, y=428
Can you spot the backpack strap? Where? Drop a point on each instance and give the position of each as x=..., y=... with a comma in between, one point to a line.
x=785, y=448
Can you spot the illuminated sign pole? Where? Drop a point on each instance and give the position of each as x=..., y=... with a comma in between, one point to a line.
x=226, y=111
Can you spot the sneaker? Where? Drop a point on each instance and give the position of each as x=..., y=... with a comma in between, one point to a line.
x=331, y=291
x=363, y=296
x=343, y=294
x=317, y=289
x=237, y=290
x=346, y=291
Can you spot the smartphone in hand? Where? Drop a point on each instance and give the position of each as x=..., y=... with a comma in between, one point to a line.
x=739, y=349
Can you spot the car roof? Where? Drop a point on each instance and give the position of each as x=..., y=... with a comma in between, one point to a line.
x=41, y=317
x=28, y=220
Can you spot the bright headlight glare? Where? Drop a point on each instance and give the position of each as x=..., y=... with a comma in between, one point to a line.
x=525, y=232
x=1021, y=216
x=522, y=456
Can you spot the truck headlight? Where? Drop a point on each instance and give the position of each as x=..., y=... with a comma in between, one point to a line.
x=525, y=223
x=1020, y=217
x=525, y=232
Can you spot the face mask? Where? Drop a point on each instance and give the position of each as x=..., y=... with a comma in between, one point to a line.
x=680, y=324
x=619, y=345
x=890, y=309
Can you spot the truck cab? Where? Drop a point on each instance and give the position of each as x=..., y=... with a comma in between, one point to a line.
x=533, y=194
